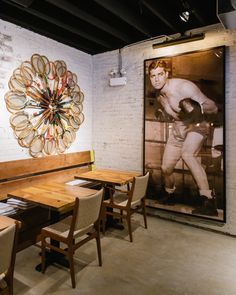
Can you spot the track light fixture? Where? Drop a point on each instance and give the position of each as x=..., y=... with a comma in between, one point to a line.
x=186, y=11
x=180, y=40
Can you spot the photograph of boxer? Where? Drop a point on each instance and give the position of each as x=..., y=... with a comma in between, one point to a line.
x=191, y=116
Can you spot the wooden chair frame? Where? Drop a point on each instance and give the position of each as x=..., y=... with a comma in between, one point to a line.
x=70, y=242
x=123, y=211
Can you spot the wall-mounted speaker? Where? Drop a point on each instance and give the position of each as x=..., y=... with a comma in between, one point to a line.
x=226, y=12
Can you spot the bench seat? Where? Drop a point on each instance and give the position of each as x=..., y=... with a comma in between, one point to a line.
x=22, y=173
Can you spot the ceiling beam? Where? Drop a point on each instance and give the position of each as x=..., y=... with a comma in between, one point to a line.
x=35, y=28
x=62, y=25
x=24, y=3
x=198, y=17
x=153, y=9
x=13, y=15
x=121, y=11
x=74, y=10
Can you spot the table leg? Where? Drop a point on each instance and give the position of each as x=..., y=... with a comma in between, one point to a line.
x=54, y=257
x=110, y=221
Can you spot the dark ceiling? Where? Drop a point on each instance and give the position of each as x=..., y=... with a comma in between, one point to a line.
x=96, y=26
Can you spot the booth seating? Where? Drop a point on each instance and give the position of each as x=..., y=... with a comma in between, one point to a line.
x=19, y=174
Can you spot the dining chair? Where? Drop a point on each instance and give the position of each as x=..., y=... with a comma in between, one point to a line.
x=123, y=203
x=8, y=245
x=83, y=224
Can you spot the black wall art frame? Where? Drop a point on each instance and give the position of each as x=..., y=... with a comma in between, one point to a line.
x=184, y=133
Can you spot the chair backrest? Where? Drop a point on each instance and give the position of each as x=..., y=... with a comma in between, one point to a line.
x=139, y=187
x=7, y=237
x=88, y=210
x=8, y=243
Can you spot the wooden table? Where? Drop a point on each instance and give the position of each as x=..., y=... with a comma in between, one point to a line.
x=5, y=222
x=110, y=177
x=57, y=196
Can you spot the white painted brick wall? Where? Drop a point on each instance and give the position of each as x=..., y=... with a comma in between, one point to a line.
x=17, y=45
x=118, y=111
x=114, y=115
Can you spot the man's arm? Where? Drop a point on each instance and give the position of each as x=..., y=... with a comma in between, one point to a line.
x=208, y=106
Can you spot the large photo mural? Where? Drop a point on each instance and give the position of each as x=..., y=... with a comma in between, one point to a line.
x=184, y=133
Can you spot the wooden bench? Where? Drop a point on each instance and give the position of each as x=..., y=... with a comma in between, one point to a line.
x=22, y=173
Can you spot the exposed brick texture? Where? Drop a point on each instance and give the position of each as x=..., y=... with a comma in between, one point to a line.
x=114, y=115
x=118, y=111
x=16, y=46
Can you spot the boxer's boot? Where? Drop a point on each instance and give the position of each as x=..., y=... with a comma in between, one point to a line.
x=208, y=207
x=168, y=199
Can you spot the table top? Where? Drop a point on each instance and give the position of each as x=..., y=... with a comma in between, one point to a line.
x=57, y=196
x=107, y=176
x=5, y=221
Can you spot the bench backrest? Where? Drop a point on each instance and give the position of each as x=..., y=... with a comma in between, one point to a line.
x=62, y=168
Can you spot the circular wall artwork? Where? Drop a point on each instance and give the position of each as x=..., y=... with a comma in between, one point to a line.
x=46, y=105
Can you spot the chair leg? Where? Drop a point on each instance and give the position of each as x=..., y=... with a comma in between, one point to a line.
x=72, y=268
x=103, y=219
x=98, y=242
x=11, y=290
x=10, y=284
x=43, y=256
x=144, y=213
x=128, y=217
x=121, y=215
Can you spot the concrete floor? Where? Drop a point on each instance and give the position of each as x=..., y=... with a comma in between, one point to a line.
x=166, y=259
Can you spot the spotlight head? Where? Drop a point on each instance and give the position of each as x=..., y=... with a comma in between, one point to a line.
x=184, y=16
